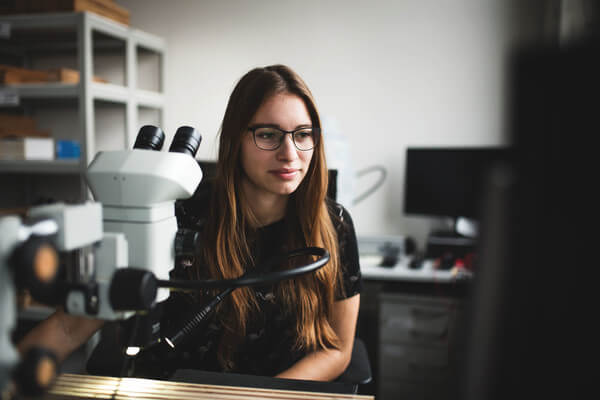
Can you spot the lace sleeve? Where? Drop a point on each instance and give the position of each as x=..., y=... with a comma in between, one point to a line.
x=348, y=248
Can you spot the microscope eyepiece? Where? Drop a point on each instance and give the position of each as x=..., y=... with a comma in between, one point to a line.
x=186, y=140
x=149, y=137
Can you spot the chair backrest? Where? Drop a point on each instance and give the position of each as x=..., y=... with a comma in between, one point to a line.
x=358, y=371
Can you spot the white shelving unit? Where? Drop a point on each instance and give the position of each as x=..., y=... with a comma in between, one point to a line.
x=101, y=116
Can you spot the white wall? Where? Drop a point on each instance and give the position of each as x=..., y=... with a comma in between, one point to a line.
x=391, y=73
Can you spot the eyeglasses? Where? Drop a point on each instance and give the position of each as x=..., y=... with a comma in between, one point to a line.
x=270, y=138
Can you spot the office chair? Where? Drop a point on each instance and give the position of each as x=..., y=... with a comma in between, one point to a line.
x=358, y=371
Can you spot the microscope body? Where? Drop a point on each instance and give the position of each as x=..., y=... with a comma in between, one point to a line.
x=137, y=189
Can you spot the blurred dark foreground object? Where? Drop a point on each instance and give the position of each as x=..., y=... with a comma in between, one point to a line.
x=533, y=304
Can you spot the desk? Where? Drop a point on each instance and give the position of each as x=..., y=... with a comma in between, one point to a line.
x=371, y=270
x=72, y=386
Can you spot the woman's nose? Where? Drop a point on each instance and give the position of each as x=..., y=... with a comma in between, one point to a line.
x=287, y=149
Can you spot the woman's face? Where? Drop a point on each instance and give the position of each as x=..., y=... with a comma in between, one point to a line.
x=280, y=171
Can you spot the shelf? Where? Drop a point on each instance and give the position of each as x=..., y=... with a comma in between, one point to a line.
x=146, y=98
x=53, y=22
x=100, y=116
x=148, y=40
x=100, y=91
x=37, y=27
x=43, y=21
x=40, y=167
x=109, y=92
x=42, y=90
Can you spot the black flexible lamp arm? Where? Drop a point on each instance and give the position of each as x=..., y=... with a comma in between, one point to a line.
x=253, y=278
x=249, y=279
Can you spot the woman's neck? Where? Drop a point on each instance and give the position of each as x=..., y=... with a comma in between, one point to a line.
x=267, y=207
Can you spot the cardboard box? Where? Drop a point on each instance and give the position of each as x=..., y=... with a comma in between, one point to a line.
x=105, y=8
x=27, y=148
x=64, y=75
x=67, y=75
x=12, y=125
x=12, y=75
x=17, y=122
x=11, y=133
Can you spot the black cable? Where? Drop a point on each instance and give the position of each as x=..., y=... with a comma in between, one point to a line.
x=126, y=358
x=193, y=323
x=248, y=279
x=255, y=278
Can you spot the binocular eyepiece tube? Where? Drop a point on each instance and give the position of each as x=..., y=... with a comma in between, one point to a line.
x=186, y=140
x=149, y=137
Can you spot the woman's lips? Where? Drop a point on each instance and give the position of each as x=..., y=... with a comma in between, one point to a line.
x=284, y=173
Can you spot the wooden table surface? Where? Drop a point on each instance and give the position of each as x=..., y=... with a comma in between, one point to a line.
x=72, y=386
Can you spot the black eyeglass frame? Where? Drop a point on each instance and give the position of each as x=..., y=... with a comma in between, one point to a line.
x=315, y=131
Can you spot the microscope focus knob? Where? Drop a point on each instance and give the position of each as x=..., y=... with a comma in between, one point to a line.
x=36, y=267
x=36, y=372
x=132, y=289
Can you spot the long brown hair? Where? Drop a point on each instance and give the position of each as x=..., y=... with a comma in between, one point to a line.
x=231, y=223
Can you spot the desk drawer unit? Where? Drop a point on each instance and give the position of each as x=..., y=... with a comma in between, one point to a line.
x=414, y=322
x=414, y=363
x=416, y=346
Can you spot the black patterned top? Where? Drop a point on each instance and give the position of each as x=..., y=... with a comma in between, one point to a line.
x=267, y=347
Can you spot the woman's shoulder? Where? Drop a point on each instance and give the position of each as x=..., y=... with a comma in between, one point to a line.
x=348, y=250
x=338, y=213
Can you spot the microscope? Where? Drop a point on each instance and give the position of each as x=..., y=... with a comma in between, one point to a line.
x=129, y=233
x=129, y=238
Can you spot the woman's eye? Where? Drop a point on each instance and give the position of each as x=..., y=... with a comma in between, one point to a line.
x=265, y=135
x=303, y=134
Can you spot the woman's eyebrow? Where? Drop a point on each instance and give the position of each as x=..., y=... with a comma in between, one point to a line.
x=265, y=126
x=279, y=127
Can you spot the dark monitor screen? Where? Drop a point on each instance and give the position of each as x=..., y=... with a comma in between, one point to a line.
x=447, y=182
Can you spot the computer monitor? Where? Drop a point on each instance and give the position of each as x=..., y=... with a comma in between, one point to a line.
x=448, y=181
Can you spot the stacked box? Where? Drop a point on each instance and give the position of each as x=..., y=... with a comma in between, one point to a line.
x=21, y=140
x=27, y=148
x=105, y=8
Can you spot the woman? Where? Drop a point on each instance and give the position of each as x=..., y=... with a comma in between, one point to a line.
x=268, y=196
